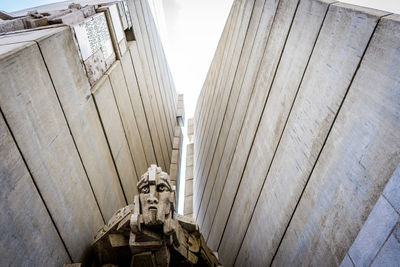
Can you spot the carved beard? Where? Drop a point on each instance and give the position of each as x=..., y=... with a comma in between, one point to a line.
x=155, y=214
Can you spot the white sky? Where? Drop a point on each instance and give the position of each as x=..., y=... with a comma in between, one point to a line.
x=193, y=31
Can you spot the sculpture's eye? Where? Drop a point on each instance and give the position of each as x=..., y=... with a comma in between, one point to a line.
x=144, y=189
x=162, y=188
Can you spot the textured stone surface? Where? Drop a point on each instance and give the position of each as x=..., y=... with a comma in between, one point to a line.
x=271, y=206
x=392, y=190
x=347, y=262
x=291, y=175
x=358, y=159
x=389, y=255
x=374, y=233
x=33, y=113
x=27, y=232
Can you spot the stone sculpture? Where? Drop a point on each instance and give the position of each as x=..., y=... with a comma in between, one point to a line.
x=150, y=233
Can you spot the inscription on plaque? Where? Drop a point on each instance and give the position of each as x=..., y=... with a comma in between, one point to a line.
x=92, y=35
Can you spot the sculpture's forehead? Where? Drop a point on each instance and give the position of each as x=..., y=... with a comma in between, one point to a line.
x=151, y=178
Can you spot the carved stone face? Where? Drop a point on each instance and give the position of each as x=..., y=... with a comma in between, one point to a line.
x=155, y=194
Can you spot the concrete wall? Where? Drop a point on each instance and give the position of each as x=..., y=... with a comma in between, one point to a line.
x=296, y=130
x=71, y=154
x=378, y=242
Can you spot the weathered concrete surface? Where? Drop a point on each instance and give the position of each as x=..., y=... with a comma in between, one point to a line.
x=224, y=87
x=390, y=252
x=255, y=43
x=153, y=90
x=160, y=62
x=142, y=75
x=73, y=90
x=392, y=190
x=374, y=233
x=27, y=232
x=113, y=127
x=235, y=155
x=121, y=95
x=68, y=76
x=211, y=76
x=298, y=48
x=359, y=156
x=262, y=154
x=137, y=106
x=214, y=89
x=378, y=242
x=33, y=113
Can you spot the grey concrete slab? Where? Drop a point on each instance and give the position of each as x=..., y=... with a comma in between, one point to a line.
x=175, y=156
x=243, y=129
x=128, y=118
x=133, y=164
x=114, y=130
x=29, y=36
x=188, y=205
x=188, y=187
x=258, y=247
x=347, y=262
x=73, y=90
x=144, y=48
x=242, y=87
x=358, y=159
x=389, y=255
x=137, y=106
x=374, y=233
x=238, y=8
x=392, y=190
x=142, y=76
x=28, y=236
x=158, y=54
x=33, y=113
x=308, y=125
x=200, y=105
x=223, y=87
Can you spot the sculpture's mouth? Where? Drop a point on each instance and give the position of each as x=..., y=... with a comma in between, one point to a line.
x=152, y=208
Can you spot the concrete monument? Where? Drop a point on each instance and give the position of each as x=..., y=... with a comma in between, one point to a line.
x=150, y=233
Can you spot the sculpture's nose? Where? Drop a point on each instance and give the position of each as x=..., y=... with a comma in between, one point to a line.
x=152, y=200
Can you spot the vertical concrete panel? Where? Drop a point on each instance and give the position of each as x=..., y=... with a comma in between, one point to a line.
x=137, y=106
x=392, y=190
x=374, y=233
x=358, y=158
x=145, y=53
x=72, y=87
x=171, y=86
x=28, y=236
x=223, y=87
x=33, y=113
x=161, y=77
x=200, y=105
x=142, y=76
x=113, y=127
x=243, y=129
x=389, y=255
x=167, y=101
x=211, y=76
x=246, y=66
x=258, y=246
x=245, y=78
x=214, y=74
x=122, y=99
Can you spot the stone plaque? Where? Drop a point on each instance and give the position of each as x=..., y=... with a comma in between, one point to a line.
x=92, y=34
